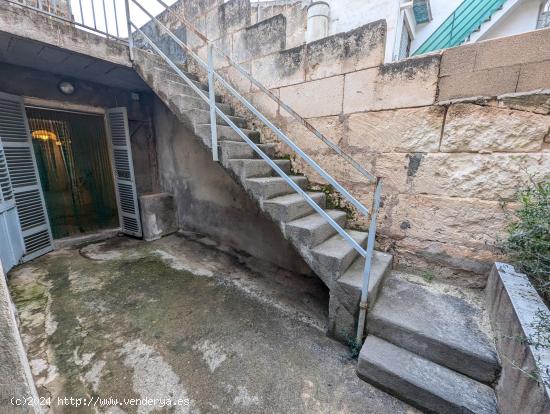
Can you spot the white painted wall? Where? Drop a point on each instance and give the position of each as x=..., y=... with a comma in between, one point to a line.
x=441, y=9
x=346, y=15
x=522, y=18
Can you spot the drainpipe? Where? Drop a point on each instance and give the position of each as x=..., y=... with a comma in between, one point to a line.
x=318, y=21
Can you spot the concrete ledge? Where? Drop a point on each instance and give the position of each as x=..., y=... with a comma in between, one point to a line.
x=515, y=309
x=158, y=215
x=29, y=24
x=15, y=374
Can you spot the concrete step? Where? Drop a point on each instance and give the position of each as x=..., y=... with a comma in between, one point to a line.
x=335, y=255
x=345, y=295
x=250, y=168
x=183, y=82
x=312, y=230
x=292, y=206
x=168, y=73
x=269, y=187
x=421, y=382
x=171, y=88
x=201, y=116
x=187, y=102
x=231, y=150
x=442, y=328
x=226, y=133
x=351, y=283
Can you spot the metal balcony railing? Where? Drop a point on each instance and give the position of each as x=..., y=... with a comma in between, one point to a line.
x=455, y=30
x=103, y=17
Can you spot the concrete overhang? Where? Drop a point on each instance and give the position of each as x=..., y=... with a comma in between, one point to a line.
x=34, y=40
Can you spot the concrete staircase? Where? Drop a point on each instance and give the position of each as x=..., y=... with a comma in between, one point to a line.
x=427, y=348
x=423, y=347
x=328, y=254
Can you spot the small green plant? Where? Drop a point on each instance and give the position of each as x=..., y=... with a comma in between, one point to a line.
x=354, y=346
x=428, y=276
x=335, y=201
x=528, y=240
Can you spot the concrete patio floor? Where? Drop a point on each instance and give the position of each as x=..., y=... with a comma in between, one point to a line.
x=181, y=319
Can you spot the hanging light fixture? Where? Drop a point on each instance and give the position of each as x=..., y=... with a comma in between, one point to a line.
x=44, y=135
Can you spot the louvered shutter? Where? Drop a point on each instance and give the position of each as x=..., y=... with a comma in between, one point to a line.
x=25, y=181
x=125, y=183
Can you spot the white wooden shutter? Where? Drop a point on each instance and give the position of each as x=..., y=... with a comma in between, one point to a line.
x=11, y=247
x=123, y=170
x=25, y=181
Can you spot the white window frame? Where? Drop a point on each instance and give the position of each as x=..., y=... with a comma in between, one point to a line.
x=543, y=20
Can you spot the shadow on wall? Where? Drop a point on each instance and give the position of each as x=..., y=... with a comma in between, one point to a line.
x=209, y=201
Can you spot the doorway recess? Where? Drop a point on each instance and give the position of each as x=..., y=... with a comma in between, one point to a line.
x=74, y=165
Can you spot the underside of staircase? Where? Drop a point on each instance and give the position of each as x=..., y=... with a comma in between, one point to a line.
x=327, y=253
x=422, y=346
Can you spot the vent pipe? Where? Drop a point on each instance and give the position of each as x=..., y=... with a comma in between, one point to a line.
x=318, y=21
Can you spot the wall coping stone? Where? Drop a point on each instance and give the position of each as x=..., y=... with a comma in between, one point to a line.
x=515, y=307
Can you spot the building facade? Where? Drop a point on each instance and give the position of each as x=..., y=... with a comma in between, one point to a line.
x=421, y=26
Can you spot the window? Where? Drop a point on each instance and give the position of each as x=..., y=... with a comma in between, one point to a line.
x=544, y=16
x=406, y=41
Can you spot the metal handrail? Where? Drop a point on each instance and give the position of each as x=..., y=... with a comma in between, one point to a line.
x=371, y=177
x=264, y=156
x=264, y=119
x=216, y=111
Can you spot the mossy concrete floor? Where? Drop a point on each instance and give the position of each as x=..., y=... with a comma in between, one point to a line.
x=183, y=319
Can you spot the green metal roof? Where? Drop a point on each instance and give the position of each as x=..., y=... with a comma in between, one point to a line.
x=455, y=30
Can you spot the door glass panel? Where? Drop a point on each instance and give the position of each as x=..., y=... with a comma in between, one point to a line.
x=75, y=170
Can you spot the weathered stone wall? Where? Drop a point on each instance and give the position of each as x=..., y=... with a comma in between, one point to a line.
x=57, y=7
x=447, y=165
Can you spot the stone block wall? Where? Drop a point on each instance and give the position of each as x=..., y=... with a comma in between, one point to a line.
x=448, y=132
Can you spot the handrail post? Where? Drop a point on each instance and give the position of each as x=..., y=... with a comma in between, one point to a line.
x=368, y=263
x=212, y=102
x=129, y=22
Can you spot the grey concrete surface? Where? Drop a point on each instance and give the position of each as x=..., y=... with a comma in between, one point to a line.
x=521, y=320
x=16, y=383
x=158, y=215
x=181, y=317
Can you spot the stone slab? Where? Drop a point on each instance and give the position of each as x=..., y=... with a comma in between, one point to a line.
x=534, y=76
x=420, y=382
x=408, y=83
x=401, y=130
x=476, y=128
x=315, y=99
x=489, y=82
x=516, y=309
x=440, y=327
